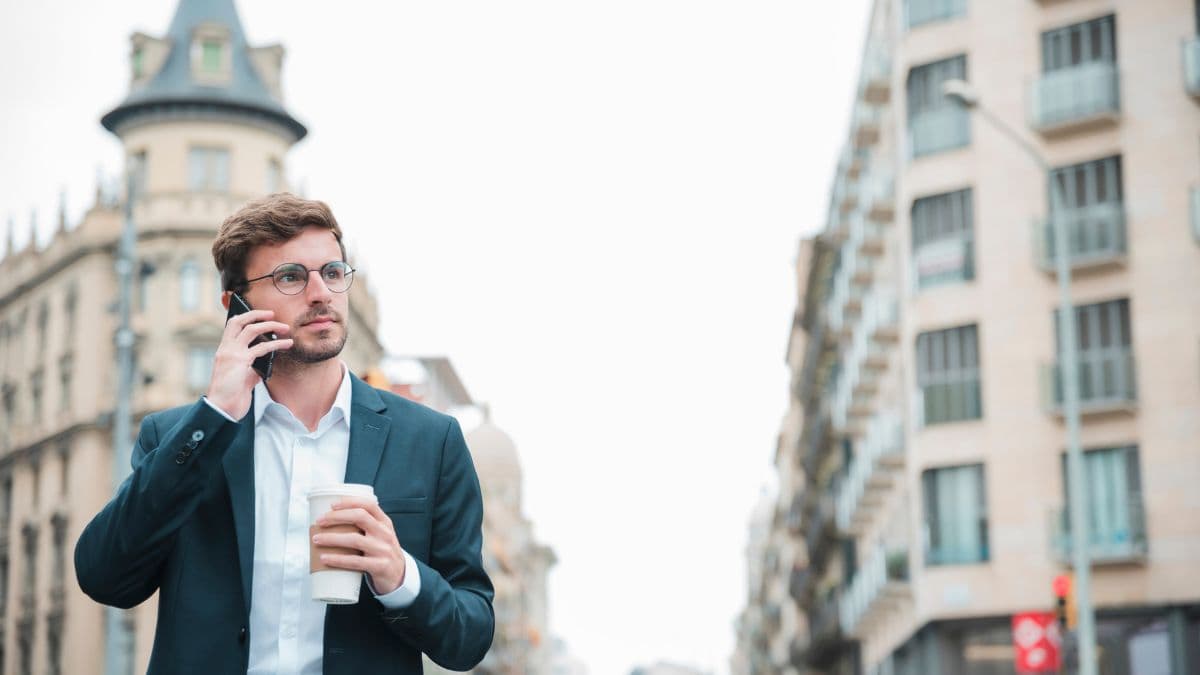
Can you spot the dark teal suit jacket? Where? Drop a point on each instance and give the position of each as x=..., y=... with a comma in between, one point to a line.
x=183, y=524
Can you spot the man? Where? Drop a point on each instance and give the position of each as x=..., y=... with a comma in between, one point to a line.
x=215, y=513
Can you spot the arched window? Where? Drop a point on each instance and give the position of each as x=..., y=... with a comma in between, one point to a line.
x=189, y=286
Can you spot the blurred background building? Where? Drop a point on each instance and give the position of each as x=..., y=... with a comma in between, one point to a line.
x=921, y=463
x=204, y=129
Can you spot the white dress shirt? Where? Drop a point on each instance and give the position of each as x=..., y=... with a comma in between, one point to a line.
x=287, y=627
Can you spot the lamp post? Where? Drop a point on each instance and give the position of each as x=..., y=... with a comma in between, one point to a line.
x=963, y=94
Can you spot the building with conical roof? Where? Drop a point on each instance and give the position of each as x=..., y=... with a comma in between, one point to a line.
x=204, y=129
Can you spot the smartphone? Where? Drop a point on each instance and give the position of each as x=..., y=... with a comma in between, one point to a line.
x=237, y=305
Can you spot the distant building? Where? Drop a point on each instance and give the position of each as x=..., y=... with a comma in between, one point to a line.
x=204, y=129
x=667, y=668
x=516, y=562
x=931, y=488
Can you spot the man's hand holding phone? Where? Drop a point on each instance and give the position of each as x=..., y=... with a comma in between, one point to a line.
x=233, y=376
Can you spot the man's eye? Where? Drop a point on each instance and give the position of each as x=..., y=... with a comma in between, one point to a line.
x=333, y=274
x=288, y=277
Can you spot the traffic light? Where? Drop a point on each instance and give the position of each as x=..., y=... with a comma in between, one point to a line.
x=1064, y=591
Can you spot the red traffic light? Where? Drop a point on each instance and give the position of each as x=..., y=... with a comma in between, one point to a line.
x=1062, y=585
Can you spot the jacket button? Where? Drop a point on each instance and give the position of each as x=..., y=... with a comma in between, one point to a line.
x=181, y=458
x=197, y=435
x=242, y=635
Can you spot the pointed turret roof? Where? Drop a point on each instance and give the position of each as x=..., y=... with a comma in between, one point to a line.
x=174, y=90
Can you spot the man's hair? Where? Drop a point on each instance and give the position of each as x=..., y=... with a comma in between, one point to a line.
x=273, y=219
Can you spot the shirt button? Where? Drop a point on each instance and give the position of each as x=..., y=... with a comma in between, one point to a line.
x=289, y=632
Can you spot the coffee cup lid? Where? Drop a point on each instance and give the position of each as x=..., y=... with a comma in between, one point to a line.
x=343, y=490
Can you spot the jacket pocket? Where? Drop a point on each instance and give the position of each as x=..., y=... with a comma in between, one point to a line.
x=403, y=505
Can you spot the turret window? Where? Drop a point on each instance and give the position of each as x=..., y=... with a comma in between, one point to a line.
x=210, y=56
x=208, y=169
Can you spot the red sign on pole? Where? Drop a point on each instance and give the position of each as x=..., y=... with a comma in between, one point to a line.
x=1037, y=642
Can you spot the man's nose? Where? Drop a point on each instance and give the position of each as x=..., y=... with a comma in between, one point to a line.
x=316, y=292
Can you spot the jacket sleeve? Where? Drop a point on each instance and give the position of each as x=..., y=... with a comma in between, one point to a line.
x=121, y=552
x=452, y=620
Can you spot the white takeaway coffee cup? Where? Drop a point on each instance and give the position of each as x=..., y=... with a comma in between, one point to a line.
x=333, y=586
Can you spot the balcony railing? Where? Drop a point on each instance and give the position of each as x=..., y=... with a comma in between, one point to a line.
x=821, y=532
x=1095, y=237
x=879, y=458
x=1116, y=536
x=880, y=198
x=1070, y=97
x=919, y=12
x=938, y=130
x=956, y=555
x=881, y=316
x=1191, y=66
x=876, y=83
x=867, y=235
x=879, y=584
x=845, y=194
x=945, y=261
x=1107, y=382
x=865, y=125
x=853, y=161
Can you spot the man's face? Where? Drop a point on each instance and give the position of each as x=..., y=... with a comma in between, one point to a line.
x=316, y=315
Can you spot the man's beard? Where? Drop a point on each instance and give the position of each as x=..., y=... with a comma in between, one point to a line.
x=322, y=350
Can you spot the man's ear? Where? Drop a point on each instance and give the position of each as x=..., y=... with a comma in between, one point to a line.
x=225, y=295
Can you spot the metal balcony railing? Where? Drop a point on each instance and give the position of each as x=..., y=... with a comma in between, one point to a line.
x=938, y=130
x=1191, y=66
x=878, y=460
x=1107, y=382
x=920, y=12
x=956, y=555
x=845, y=193
x=1069, y=97
x=881, y=581
x=867, y=235
x=945, y=261
x=1095, y=236
x=824, y=627
x=1116, y=531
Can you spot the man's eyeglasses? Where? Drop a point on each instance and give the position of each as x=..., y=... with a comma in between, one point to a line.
x=292, y=278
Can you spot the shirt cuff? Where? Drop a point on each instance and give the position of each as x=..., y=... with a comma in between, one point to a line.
x=406, y=594
x=214, y=407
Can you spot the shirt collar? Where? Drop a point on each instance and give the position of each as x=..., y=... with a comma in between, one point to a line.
x=341, y=402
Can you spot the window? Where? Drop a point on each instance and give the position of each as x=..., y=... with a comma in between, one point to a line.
x=43, y=320
x=139, y=62
x=208, y=169
x=942, y=238
x=66, y=367
x=211, y=55
x=934, y=123
x=1091, y=200
x=1115, y=519
x=199, y=367
x=956, y=528
x=1104, y=340
x=70, y=303
x=948, y=374
x=189, y=286
x=137, y=172
x=918, y=12
x=1079, y=44
x=35, y=396
x=1089, y=184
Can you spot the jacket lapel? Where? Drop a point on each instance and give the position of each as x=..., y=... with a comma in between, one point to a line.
x=239, y=474
x=368, y=433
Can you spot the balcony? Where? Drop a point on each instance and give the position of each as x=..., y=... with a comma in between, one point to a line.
x=881, y=583
x=867, y=236
x=1095, y=237
x=938, y=130
x=821, y=533
x=853, y=161
x=865, y=126
x=878, y=462
x=1074, y=98
x=880, y=198
x=1191, y=66
x=881, y=316
x=861, y=271
x=945, y=261
x=845, y=194
x=1107, y=382
x=1117, y=536
x=799, y=585
x=824, y=629
x=921, y=12
x=876, y=83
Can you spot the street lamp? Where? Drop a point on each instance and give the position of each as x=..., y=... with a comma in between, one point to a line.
x=963, y=94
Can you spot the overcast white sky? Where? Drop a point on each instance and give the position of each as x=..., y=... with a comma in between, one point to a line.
x=592, y=208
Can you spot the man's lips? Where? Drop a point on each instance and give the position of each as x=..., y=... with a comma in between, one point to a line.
x=323, y=322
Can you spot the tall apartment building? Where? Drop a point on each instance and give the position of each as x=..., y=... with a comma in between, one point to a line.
x=205, y=127
x=932, y=401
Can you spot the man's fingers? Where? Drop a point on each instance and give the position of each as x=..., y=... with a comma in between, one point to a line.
x=358, y=563
x=237, y=323
x=254, y=330
x=264, y=348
